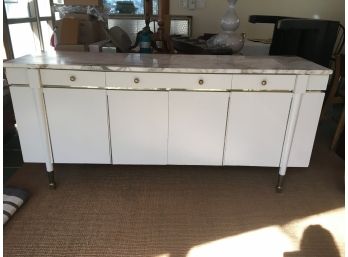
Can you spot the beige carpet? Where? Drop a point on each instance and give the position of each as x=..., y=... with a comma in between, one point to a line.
x=176, y=211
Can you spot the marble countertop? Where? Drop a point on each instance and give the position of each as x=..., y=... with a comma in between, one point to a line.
x=176, y=63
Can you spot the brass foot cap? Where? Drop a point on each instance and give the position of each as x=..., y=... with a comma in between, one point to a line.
x=52, y=185
x=279, y=189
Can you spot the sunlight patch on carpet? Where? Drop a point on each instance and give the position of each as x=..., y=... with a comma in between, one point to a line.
x=274, y=241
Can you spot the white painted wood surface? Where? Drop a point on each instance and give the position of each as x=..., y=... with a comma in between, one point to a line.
x=176, y=127
x=305, y=131
x=17, y=76
x=40, y=107
x=27, y=120
x=72, y=78
x=317, y=82
x=168, y=80
x=256, y=128
x=197, y=122
x=263, y=82
x=138, y=126
x=78, y=124
x=299, y=91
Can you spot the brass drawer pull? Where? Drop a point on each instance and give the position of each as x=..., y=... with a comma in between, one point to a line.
x=264, y=82
x=136, y=80
x=72, y=78
x=201, y=81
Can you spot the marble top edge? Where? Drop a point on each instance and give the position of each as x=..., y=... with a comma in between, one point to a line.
x=169, y=63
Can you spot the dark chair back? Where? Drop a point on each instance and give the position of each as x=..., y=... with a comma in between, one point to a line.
x=308, y=38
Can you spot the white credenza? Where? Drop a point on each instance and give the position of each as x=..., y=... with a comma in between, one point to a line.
x=175, y=113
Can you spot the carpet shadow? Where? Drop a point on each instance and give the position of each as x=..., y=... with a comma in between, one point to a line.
x=315, y=239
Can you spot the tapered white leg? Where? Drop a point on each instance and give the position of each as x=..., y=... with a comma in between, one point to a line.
x=35, y=85
x=300, y=89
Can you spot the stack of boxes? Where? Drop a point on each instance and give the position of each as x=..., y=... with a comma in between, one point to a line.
x=76, y=31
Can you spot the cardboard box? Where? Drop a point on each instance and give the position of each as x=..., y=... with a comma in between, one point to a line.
x=88, y=32
x=92, y=31
x=69, y=29
x=80, y=16
x=83, y=2
x=75, y=48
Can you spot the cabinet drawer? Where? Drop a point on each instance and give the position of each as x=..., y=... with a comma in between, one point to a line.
x=317, y=82
x=73, y=78
x=17, y=76
x=264, y=82
x=167, y=80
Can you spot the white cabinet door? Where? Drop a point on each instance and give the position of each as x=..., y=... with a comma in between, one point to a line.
x=255, y=128
x=306, y=126
x=78, y=125
x=138, y=126
x=30, y=135
x=197, y=122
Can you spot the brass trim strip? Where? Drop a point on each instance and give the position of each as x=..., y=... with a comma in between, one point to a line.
x=19, y=85
x=199, y=90
x=167, y=89
x=173, y=89
x=261, y=91
x=73, y=87
x=315, y=91
x=136, y=89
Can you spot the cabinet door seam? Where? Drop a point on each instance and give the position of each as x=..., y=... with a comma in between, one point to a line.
x=227, y=115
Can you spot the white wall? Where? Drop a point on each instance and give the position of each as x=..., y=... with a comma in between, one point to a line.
x=208, y=19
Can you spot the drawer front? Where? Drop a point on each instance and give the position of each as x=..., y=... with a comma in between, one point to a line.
x=17, y=76
x=73, y=78
x=317, y=82
x=167, y=80
x=264, y=82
